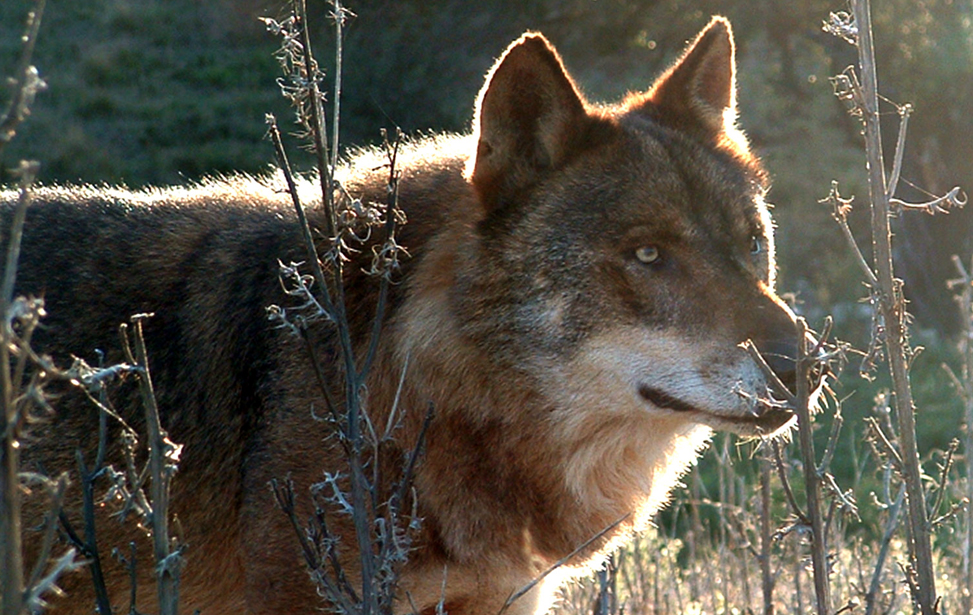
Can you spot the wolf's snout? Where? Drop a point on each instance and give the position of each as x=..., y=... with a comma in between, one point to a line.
x=782, y=358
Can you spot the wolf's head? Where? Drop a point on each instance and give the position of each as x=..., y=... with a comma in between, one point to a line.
x=625, y=253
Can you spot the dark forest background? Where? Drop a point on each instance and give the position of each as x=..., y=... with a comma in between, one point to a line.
x=168, y=91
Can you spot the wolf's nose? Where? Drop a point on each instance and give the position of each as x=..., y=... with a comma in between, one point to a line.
x=782, y=358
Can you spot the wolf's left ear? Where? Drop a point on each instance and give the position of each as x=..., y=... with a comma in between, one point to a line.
x=698, y=93
x=528, y=115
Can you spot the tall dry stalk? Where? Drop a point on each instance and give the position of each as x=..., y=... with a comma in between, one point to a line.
x=23, y=373
x=891, y=305
x=890, y=328
x=812, y=361
x=381, y=516
x=963, y=384
x=812, y=476
x=11, y=423
x=26, y=84
x=162, y=464
x=767, y=580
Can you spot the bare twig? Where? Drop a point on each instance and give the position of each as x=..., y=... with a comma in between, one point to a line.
x=33, y=598
x=832, y=444
x=939, y=205
x=767, y=580
x=34, y=591
x=391, y=210
x=130, y=565
x=883, y=444
x=892, y=307
x=163, y=457
x=312, y=250
x=944, y=470
x=89, y=547
x=876, y=582
x=963, y=287
x=27, y=81
x=786, y=485
x=382, y=530
x=343, y=597
x=12, y=573
x=904, y=112
x=812, y=480
x=779, y=387
x=840, y=209
x=526, y=588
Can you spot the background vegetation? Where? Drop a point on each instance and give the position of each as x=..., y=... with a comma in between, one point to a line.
x=167, y=91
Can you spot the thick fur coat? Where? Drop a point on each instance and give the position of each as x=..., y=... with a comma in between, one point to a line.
x=580, y=282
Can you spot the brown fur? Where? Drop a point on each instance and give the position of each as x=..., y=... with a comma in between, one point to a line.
x=572, y=383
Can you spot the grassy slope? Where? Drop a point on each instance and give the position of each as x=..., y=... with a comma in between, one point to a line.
x=145, y=92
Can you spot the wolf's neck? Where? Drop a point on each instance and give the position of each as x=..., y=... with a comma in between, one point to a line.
x=494, y=479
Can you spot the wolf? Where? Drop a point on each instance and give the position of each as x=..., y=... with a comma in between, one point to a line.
x=582, y=278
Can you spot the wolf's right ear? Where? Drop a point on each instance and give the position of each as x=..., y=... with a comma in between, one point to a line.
x=527, y=116
x=698, y=93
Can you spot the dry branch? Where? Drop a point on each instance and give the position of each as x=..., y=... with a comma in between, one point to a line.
x=382, y=521
x=891, y=306
x=163, y=459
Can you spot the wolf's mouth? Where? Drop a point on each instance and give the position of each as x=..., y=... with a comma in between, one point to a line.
x=766, y=422
x=664, y=400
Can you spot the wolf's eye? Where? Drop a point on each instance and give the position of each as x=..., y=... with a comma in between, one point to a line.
x=756, y=245
x=648, y=254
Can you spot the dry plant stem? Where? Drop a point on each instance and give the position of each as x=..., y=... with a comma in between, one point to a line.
x=904, y=112
x=18, y=109
x=132, y=576
x=312, y=250
x=400, y=495
x=161, y=471
x=883, y=444
x=339, y=21
x=786, y=485
x=316, y=121
x=859, y=258
x=607, y=598
x=893, y=312
x=319, y=375
x=342, y=597
x=89, y=547
x=378, y=545
x=319, y=140
x=876, y=583
x=353, y=431
x=812, y=481
x=526, y=588
x=50, y=526
x=836, y=424
x=940, y=204
x=941, y=485
x=334, y=304
x=12, y=572
x=766, y=536
x=964, y=387
x=391, y=205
